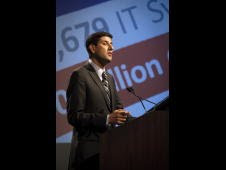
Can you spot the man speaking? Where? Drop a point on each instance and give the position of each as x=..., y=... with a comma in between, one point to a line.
x=93, y=105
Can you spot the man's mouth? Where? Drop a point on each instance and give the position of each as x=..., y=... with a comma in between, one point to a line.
x=110, y=53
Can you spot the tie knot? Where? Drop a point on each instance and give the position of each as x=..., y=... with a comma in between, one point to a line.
x=104, y=75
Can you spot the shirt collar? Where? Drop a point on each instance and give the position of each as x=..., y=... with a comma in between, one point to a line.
x=98, y=70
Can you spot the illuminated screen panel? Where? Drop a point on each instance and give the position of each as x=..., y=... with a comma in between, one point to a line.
x=140, y=32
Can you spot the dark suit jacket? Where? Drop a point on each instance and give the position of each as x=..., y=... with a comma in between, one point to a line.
x=87, y=112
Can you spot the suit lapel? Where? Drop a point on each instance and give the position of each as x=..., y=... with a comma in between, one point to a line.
x=97, y=80
x=111, y=90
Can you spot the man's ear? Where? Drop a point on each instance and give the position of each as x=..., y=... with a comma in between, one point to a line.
x=92, y=48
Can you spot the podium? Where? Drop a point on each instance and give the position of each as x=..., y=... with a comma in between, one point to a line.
x=142, y=144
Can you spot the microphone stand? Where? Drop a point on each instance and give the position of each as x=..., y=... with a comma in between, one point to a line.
x=140, y=101
x=131, y=90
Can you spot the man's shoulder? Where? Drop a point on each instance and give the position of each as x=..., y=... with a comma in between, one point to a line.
x=79, y=72
x=81, y=69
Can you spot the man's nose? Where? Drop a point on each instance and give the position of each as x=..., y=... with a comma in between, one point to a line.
x=111, y=47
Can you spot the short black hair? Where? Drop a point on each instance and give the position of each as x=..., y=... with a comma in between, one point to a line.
x=94, y=38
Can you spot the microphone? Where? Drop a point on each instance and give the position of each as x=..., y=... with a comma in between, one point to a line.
x=131, y=90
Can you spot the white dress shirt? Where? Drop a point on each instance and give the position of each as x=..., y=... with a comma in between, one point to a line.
x=98, y=70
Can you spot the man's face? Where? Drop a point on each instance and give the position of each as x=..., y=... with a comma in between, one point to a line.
x=103, y=50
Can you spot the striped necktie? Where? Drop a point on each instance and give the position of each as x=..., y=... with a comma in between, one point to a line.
x=106, y=87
